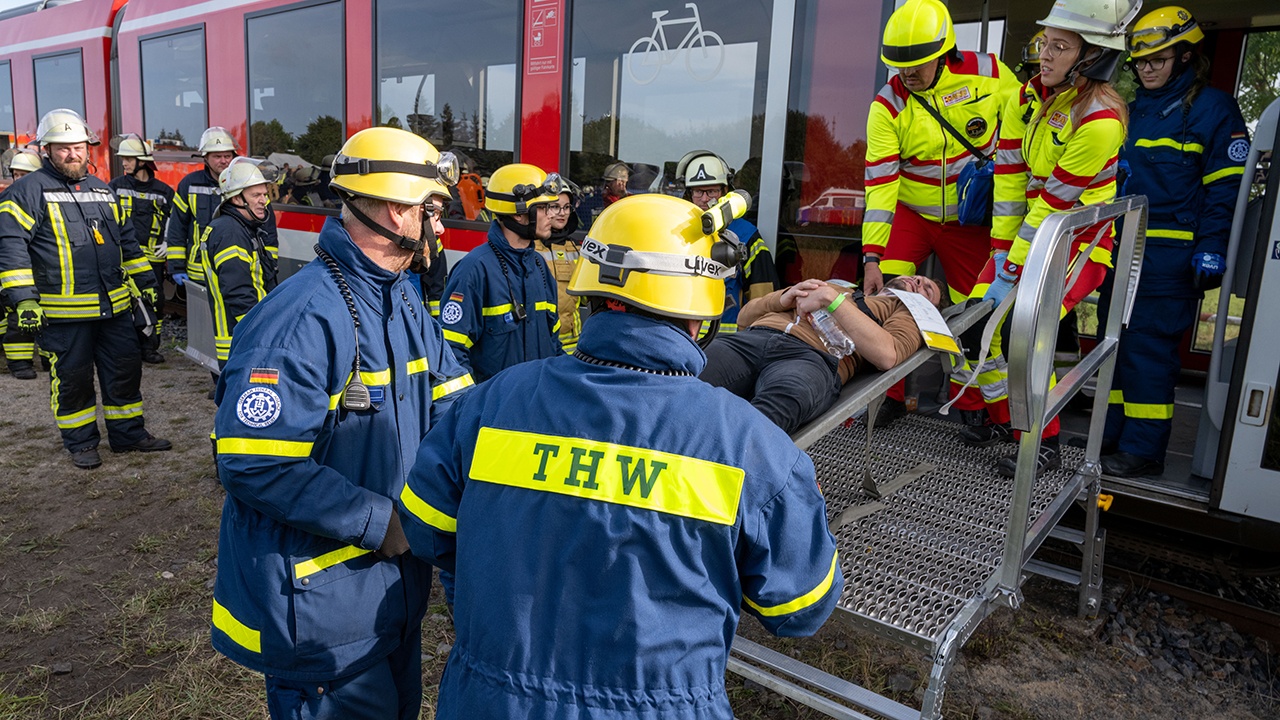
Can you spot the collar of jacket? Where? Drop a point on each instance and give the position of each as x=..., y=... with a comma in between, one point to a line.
x=943, y=84
x=226, y=208
x=365, y=277
x=1157, y=100
x=499, y=240
x=640, y=341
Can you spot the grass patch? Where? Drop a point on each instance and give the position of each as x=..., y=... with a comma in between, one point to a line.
x=38, y=621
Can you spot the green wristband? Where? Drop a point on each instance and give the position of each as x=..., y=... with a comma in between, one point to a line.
x=835, y=303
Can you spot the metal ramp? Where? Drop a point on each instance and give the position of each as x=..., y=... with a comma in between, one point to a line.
x=938, y=541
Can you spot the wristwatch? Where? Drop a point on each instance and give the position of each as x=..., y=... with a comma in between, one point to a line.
x=870, y=259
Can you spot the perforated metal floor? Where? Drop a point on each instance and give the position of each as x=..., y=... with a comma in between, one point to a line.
x=932, y=544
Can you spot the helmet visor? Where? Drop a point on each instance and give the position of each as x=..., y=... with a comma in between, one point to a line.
x=1151, y=38
x=1031, y=51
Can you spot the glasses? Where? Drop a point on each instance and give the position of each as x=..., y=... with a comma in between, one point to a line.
x=707, y=193
x=1053, y=50
x=557, y=209
x=1152, y=63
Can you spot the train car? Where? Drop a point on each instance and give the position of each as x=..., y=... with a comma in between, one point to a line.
x=780, y=88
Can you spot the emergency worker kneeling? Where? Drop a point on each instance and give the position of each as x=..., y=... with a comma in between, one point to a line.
x=607, y=514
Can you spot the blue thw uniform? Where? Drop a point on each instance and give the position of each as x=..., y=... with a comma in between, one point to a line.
x=756, y=278
x=1188, y=159
x=606, y=536
x=500, y=307
x=65, y=243
x=300, y=594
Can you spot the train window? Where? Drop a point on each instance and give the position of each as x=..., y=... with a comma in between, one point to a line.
x=654, y=79
x=457, y=93
x=6, y=100
x=59, y=83
x=174, y=111
x=296, y=86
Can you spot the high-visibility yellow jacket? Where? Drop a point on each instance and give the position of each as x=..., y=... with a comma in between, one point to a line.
x=912, y=159
x=1051, y=158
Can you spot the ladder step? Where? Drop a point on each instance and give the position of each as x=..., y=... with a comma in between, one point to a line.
x=1071, y=535
x=1057, y=572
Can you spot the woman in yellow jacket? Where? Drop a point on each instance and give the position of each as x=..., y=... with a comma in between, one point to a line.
x=1058, y=149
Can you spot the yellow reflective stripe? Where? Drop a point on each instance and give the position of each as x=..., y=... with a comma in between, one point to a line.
x=178, y=202
x=434, y=305
x=1171, y=234
x=452, y=386
x=544, y=305
x=457, y=337
x=25, y=220
x=1224, y=172
x=59, y=226
x=413, y=367
x=259, y=446
x=121, y=412
x=897, y=267
x=243, y=635
x=137, y=265
x=235, y=251
x=76, y=419
x=1116, y=397
x=1148, y=411
x=756, y=248
x=496, y=310
x=334, y=400
x=375, y=378
x=422, y=510
x=801, y=602
x=174, y=252
x=607, y=472
x=17, y=278
x=1169, y=143
x=327, y=560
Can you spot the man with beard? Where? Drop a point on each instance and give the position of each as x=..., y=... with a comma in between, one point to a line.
x=62, y=242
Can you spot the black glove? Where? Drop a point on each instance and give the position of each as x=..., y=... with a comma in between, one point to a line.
x=395, y=543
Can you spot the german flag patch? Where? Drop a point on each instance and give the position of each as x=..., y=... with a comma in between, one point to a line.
x=456, y=297
x=268, y=376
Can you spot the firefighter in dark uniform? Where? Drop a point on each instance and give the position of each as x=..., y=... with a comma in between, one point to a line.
x=240, y=271
x=707, y=178
x=560, y=251
x=1186, y=149
x=19, y=346
x=147, y=201
x=67, y=260
x=609, y=516
x=333, y=380
x=500, y=301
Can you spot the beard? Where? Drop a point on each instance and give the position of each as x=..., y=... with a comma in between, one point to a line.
x=74, y=169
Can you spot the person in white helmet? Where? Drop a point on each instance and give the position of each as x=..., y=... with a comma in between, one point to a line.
x=19, y=345
x=147, y=201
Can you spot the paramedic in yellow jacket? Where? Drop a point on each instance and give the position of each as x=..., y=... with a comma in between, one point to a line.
x=1058, y=149
x=913, y=162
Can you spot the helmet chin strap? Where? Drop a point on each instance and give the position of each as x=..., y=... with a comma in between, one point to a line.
x=422, y=263
x=528, y=231
x=401, y=241
x=713, y=327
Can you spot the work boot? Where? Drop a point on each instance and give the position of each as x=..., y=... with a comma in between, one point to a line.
x=890, y=411
x=22, y=369
x=979, y=431
x=86, y=459
x=1047, y=460
x=1108, y=446
x=1128, y=465
x=150, y=355
x=147, y=444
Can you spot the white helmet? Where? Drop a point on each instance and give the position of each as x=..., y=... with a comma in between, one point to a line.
x=703, y=167
x=64, y=126
x=241, y=174
x=25, y=160
x=130, y=145
x=216, y=139
x=1100, y=22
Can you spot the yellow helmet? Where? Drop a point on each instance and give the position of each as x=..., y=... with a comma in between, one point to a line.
x=655, y=252
x=513, y=189
x=216, y=139
x=917, y=32
x=1031, y=51
x=395, y=165
x=1163, y=28
x=63, y=126
x=24, y=160
x=703, y=167
x=130, y=145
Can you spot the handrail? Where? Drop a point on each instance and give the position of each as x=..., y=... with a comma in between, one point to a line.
x=1031, y=344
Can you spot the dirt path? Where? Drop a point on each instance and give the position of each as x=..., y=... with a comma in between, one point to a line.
x=106, y=576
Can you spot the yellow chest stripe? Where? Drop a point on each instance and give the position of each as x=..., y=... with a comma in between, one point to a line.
x=605, y=472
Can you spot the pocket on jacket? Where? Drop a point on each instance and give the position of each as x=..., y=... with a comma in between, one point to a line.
x=343, y=595
x=498, y=324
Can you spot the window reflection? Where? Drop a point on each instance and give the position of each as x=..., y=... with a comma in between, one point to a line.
x=6, y=100
x=59, y=83
x=174, y=112
x=653, y=80
x=457, y=93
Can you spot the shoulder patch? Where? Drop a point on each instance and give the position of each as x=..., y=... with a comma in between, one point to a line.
x=1058, y=120
x=1238, y=150
x=258, y=407
x=451, y=313
x=957, y=97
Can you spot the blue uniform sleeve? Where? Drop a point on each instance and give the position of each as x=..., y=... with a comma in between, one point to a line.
x=460, y=314
x=273, y=407
x=790, y=573
x=1224, y=157
x=449, y=379
x=433, y=491
x=20, y=213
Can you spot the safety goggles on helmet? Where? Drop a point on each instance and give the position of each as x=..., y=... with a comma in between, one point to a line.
x=1154, y=38
x=1031, y=51
x=445, y=170
x=553, y=185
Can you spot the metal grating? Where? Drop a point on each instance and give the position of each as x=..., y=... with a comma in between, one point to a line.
x=914, y=563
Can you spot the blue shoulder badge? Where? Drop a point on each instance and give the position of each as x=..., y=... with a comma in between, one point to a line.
x=258, y=407
x=1238, y=150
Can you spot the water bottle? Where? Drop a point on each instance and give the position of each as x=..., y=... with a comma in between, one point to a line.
x=836, y=340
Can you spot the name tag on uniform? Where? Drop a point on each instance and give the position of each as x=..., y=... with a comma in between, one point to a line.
x=1058, y=120
x=957, y=97
x=937, y=335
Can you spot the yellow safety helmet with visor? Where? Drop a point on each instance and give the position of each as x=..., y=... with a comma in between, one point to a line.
x=514, y=189
x=1163, y=28
x=917, y=32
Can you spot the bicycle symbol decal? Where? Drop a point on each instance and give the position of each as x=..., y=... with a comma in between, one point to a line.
x=703, y=49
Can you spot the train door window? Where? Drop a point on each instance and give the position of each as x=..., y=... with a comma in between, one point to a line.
x=6, y=101
x=458, y=93
x=174, y=111
x=59, y=83
x=654, y=79
x=296, y=62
